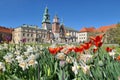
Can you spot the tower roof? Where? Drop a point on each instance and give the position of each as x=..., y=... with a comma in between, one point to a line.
x=46, y=16
x=56, y=19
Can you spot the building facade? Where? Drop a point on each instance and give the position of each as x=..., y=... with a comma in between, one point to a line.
x=31, y=33
x=49, y=32
x=85, y=33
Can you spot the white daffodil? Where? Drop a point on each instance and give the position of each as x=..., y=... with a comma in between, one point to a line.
x=32, y=56
x=112, y=53
x=19, y=58
x=2, y=66
x=8, y=58
x=32, y=62
x=60, y=56
x=37, y=55
x=26, y=54
x=85, y=68
x=75, y=68
x=30, y=49
x=17, y=52
x=69, y=59
x=85, y=57
x=23, y=65
x=32, y=59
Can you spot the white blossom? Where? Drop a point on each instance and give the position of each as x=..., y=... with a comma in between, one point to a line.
x=75, y=68
x=60, y=56
x=23, y=64
x=19, y=58
x=2, y=66
x=32, y=62
x=8, y=57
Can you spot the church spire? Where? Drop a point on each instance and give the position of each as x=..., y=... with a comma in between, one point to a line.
x=46, y=16
x=56, y=19
x=46, y=20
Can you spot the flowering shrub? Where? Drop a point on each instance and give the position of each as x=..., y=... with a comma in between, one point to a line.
x=87, y=61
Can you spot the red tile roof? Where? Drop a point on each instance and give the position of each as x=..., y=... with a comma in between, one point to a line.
x=101, y=29
x=91, y=29
x=105, y=28
x=5, y=30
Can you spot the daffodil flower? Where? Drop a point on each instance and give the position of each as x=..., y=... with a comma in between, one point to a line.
x=2, y=66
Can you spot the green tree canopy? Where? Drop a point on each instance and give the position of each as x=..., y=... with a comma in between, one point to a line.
x=114, y=35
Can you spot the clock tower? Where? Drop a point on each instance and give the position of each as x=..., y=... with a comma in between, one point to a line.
x=46, y=19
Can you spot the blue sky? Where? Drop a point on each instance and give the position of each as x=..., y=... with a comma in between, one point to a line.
x=75, y=13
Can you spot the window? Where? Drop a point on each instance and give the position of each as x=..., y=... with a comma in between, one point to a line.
x=23, y=34
x=31, y=35
x=27, y=35
x=32, y=39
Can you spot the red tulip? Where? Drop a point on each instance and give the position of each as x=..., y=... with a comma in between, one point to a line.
x=78, y=49
x=53, y=50
x=108, y=49
x=97, y=40
x=98, y=44
x=86, y=46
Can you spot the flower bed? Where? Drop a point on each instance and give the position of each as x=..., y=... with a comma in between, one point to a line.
x=85, y=62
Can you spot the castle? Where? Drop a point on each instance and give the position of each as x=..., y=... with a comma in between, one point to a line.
x=50, y=32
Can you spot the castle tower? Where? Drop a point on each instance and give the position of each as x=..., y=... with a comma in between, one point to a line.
x=46, y=19
x=55, y=25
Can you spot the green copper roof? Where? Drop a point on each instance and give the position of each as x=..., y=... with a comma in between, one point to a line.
x=46, y=16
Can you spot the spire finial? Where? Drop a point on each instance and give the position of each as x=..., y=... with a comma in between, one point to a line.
x=62, y=21
x=46, y=6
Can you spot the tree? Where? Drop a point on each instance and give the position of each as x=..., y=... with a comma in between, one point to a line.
x=114, y=35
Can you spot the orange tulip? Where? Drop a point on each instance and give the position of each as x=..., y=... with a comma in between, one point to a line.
x=118, y=58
